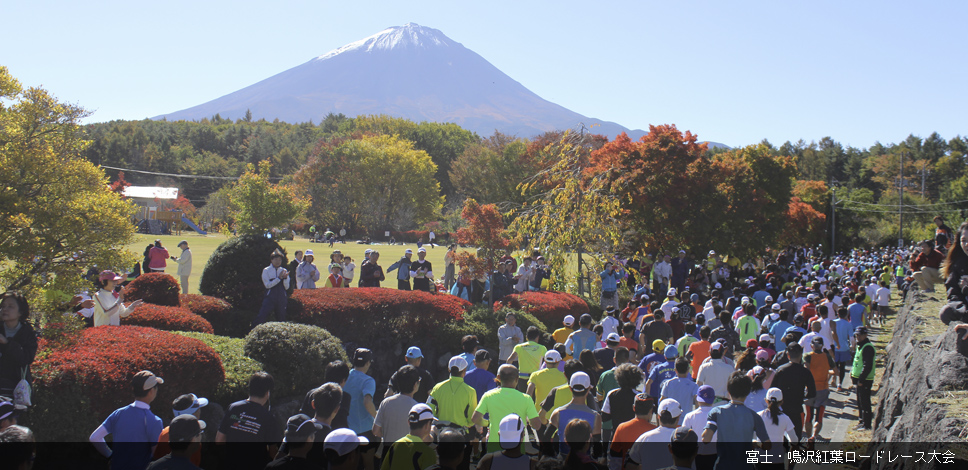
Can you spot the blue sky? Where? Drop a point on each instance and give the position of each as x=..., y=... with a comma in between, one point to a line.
x=732, y=72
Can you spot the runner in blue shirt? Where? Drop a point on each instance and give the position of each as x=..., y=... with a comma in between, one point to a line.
x=134, y=428
x=736, y=424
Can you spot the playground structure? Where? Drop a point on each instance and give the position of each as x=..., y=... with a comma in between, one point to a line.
x=163, y=222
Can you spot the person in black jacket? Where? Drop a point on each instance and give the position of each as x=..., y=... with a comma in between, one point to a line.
x=955, y=275
x=18, y=342
x=793, y=379
x=297, y=258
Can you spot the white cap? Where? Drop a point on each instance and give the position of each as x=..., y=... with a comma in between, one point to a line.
x=580, y=382
x=309, y=253
x=776, y=307
x=715, y=346
x=408, y=251
x=670, y=405
x=457, y=361
x=774, y=393
x=718, y=286
x=672, y=292
x=343, y=441
x=745, y=301
x=811, y=297
x=510, y=431
x=774, y=316
x=612, y=337
x=765, y=337
x=569, y=320
x=421, y=250
x=768, y=299
x=552, y=356
x=420, y=412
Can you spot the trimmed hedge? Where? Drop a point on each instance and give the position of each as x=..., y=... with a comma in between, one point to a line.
x=225, y=319
x=387, y=321
x=76, y=388
x=548, y=307
x=153, y=288
x=234, y=271
x=484, y=322
x=167, y=318
x=238, y=367
x=296, y=355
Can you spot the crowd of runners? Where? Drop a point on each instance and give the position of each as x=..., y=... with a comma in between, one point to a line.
x=704, y=364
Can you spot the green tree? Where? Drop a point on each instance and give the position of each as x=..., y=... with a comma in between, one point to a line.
x=57, y=215
x=491, y=171
x=261, y=205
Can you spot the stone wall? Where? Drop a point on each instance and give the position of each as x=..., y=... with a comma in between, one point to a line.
x=922, y=396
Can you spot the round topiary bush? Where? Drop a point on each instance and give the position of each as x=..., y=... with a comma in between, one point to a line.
x=296, y=355
x=238, y=367
x=77, y=387
x=153, y=288
x=548, y=307
x=234, y=271
x=167, y=318
x=387, y=321
x=225, y=319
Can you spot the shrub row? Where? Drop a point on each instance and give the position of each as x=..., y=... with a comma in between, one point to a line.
x=296, y=355
x=77, y=387
x=225, y=319
x=238, y=367
x=167, y=319
x=153, y=288
x=548, y=307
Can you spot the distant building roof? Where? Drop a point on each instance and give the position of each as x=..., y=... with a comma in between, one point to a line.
x=151, y=192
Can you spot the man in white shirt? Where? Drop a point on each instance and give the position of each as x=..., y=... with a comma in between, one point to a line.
x=509, y=335
x=696, y=420
x=641, y=456
x=663, y=272
x=276, y=280
x=715, y=372
x=525, y=275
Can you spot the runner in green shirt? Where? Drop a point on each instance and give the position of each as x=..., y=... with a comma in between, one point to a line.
x=528, y=355
x=452, y=400
x=503, y=401
x=414, y=448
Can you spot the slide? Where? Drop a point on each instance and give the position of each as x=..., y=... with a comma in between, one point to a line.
x=192, y=225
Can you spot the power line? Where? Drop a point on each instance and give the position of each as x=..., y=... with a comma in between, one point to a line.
x=173, y=175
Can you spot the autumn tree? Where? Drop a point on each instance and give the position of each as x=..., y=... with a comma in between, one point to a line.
x=371, y=182
x=262, y=205
x=484, y=230
x=802, y=224
x=569, y=209
x=58, y=216
x=491, y=171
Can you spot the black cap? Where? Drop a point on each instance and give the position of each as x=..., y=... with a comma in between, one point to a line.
x=362, y=356
x=184, y=427
x=685, y=434
x=860, y=330
x=300, y=426
x=481, y=355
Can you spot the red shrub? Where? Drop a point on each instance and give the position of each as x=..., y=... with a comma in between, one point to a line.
x=548, y=307
x=153, y=288
x=387, y=321
x=77, y=387
x=168, y=319
x=225, y=319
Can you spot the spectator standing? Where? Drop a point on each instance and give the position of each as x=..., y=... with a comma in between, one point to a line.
x=292, y=267
x=184, y=264
x=611, y=276
x=450, y=260
x=862, y=374
x=335, y=278
x=943, y=235
x=402, y=266
x=18, y=342
x=109, y=306
x=349, y=270
x=306, y=273
x=524, y=275
x=956, y=278
x=248, y=429
x=158, y=258
x=275, y=278
x=371, y=273
x=422, y=271
x=134, y=428
x=509, y=335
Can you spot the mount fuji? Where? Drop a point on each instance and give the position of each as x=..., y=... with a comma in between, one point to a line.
x=409, y=71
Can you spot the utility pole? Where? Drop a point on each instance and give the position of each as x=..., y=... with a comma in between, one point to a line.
x=900, y=206
x=833, y=217
x=924, y=174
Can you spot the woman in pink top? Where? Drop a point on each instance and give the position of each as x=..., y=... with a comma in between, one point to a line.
x=157, y=257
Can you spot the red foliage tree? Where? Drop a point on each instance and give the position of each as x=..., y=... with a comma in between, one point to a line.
x=804, y=224
x=485, y=230
x=118, y=185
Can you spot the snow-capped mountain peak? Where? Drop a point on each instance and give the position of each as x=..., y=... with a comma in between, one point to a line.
x=410, y=35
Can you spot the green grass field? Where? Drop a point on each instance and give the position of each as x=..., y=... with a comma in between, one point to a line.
x=203, y=245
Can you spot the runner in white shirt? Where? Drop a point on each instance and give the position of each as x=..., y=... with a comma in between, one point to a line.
x=782, y=426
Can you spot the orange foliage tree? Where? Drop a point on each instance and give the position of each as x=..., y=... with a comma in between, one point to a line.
x=485, y=230
x=803, y=225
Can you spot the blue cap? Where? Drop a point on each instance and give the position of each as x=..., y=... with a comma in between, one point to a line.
x=706, y=394
x=671, y=351
x=414, y=352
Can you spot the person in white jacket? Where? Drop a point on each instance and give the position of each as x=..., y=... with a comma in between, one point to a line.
x=108, y=306
x=307, y=274
x=184, y=264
